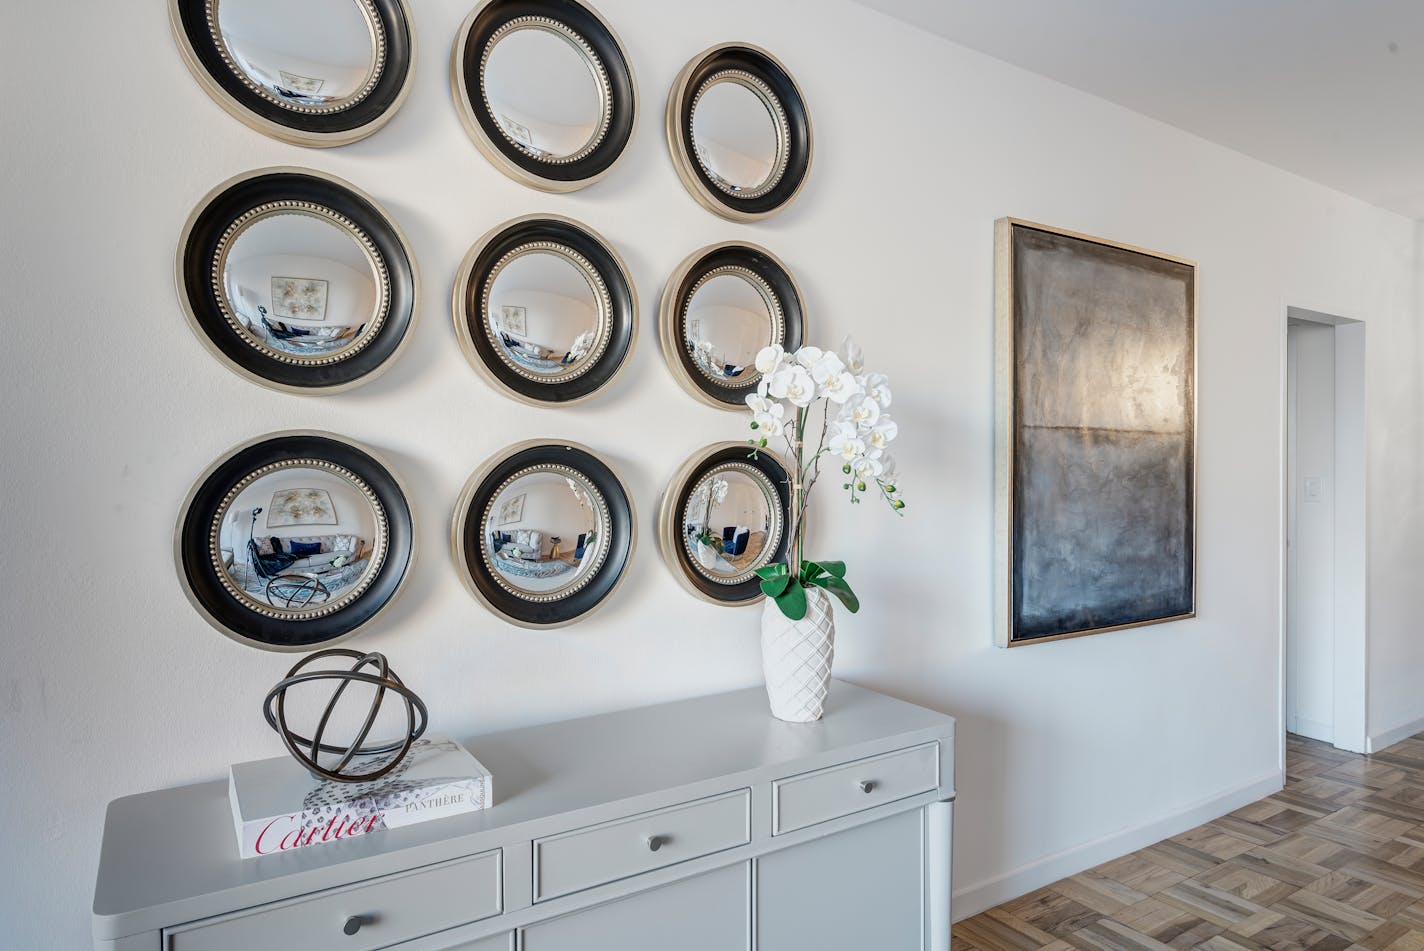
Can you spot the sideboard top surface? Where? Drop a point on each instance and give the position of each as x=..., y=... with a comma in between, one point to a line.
x=163, y=850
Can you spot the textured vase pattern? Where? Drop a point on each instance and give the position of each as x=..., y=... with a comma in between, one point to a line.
x=796, y=657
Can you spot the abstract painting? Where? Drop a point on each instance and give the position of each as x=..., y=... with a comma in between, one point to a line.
x=301, y=507
x=300, y=297
x=511, y=511
x=514, y=320
x=1096, y=439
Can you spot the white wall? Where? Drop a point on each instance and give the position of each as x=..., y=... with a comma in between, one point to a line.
x=1310, y=620
x=1068, y=752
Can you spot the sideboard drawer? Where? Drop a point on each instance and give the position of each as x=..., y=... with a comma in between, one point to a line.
x=373, y=914
x=572, y=861
x=836, y=791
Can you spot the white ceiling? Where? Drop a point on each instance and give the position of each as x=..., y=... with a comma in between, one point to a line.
x=1330, y=89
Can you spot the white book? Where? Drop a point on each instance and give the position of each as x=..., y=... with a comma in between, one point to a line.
x=278, y=806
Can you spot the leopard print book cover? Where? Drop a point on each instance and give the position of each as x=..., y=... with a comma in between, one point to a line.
x=391, y=797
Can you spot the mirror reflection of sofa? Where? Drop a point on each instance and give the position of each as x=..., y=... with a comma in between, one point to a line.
x=313, y=552
x=536, y=356
x=533, y=546
x=712, y=361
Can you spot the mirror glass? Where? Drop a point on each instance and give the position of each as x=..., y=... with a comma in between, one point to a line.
x=542, y=533
x=299, y=539
x=311, y=54
x=730, y=524
x=735, y=136
x=544, y=314
x=300, y=284
x=727, y=321
x=544, y=92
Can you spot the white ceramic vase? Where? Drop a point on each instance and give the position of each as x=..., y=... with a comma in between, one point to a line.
x=796, y=657
x=707, y=555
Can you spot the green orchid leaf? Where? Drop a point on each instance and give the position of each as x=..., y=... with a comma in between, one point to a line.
x=792, y=601
x=842, y=591
x=774, y=587
x=837, y=568
x=771, y=572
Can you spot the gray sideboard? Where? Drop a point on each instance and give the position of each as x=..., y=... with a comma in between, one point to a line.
x=701, y=825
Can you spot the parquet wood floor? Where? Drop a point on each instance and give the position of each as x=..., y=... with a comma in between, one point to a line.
x=1333, y=862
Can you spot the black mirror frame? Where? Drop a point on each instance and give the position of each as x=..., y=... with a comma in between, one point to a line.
x=467, y=538
x=199, y=575
x=769, y=74
x=470, y=289
x=676, y=296
x=191, y=22
x=201, y=295
x=466, y=65
x=674, y=502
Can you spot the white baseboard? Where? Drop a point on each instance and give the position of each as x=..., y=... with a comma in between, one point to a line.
x=985, y=895
x=1388, y=738
x=1314, y=730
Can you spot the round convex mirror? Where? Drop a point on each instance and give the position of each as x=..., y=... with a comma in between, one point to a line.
x=723, y=516
x=317, y=53
x=731, y=316
x=294, y=540
x=548, y=94
x=296, y=280
x=719, y=309
x=319, y=72
x=543, y=533
x=301, y=285
x=738, y=135
x=545, y=91
x=739, y=132
x=545, y=309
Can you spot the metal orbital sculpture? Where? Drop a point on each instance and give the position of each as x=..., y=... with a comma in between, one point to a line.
x=308, y=750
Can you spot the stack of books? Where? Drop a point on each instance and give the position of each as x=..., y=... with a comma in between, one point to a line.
x=278, y=806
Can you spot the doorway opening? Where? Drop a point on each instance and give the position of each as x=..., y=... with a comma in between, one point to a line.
x=1324, y=687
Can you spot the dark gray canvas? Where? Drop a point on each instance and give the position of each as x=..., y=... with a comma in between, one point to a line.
x=1102, y=480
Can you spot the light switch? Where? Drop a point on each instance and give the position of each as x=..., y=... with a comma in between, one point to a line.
x=1314, y=488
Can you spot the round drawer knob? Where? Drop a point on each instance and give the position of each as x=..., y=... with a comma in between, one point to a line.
x=866, y=785
x=353, y=925
x=655, y=842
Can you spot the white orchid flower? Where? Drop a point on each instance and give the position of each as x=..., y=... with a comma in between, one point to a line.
x=867, y=466
x=852, y=355
x=769, y=359
x=768, y=416
x=877, y=387
x=758, y=403
x=808, y=356
x=846, y=445
x=793, y=383
x=882, y=432
x=832, y=379
x=887, y=472
x=719, y=491
x=864, y=413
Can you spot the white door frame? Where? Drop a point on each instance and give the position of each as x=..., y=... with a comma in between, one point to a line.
x=1351, y=620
